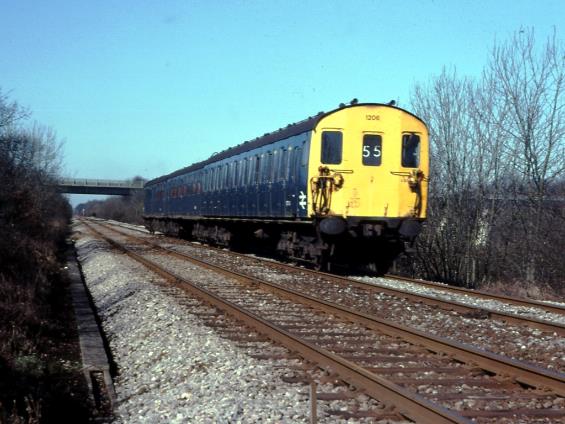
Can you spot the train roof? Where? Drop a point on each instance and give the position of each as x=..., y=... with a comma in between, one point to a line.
x=268, y=138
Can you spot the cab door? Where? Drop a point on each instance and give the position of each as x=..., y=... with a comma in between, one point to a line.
x=373, y=180
x=328, y=164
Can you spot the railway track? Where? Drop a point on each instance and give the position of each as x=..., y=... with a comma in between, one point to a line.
x=428, y=379
x=470, y=325
x=542, y=308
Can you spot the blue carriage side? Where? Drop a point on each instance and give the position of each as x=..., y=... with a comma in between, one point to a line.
x=267, y=181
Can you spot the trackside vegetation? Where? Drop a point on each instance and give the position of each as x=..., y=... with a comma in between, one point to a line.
x=40, y=372
x=496, y=213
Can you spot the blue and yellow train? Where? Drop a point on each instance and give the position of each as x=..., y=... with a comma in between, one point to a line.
x=346, y=186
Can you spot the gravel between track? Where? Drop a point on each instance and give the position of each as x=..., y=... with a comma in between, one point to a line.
x=172, y=368
x=467, y=299
x=522, y=343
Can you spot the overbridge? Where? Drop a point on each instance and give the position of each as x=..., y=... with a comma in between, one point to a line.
x=93, y=186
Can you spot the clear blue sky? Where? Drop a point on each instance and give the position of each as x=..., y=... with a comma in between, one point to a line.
x=145, y=87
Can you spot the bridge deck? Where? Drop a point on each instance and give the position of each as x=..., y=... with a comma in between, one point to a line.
x=94, y=186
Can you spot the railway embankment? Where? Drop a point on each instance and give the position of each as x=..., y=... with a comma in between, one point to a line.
x=40, y=363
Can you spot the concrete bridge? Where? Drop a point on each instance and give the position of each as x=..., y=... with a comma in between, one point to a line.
x=91, y=186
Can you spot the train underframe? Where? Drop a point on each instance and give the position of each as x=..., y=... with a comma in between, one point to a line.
x=328, y=243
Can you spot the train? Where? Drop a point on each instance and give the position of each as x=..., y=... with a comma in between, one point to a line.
x=347, y=187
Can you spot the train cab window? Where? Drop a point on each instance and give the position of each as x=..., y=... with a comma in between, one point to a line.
x=410, y=150
x=372, y=149
x=332, y=147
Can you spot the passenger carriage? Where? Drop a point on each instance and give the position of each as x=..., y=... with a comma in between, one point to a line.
x=347, y=185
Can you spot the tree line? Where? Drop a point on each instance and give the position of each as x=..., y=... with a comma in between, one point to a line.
x=497, y=179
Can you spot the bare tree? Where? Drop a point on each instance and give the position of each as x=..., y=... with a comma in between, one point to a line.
x=497, y=157
x=529, y=86
x=464, y=145
x=10, y=112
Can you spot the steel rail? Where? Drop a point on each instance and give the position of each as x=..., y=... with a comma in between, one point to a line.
x=409, y=404
x=453, y=305
x=549, y=307
x=530, y=303
x=522, y=372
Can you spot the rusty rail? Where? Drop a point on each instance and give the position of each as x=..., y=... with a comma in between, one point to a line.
x=452, y=305
x=522, y=372
x=409, y=404
x=549, y=307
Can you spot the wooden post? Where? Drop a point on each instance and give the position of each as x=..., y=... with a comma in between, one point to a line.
x=313, y=403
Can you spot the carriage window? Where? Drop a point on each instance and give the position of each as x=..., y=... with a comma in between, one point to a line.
x=331, y=147
x=276, y=166
x=244, y=172
x=294, y=164
x=280, y=166
x=266, y=169
x=241, y=180
x=410, y=150
x=286, y=159
x=250, y=169
x=257, y=169
x=372, y=149
x=297, y=156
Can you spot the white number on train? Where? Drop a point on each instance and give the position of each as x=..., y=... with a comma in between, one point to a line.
x=376, y=153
